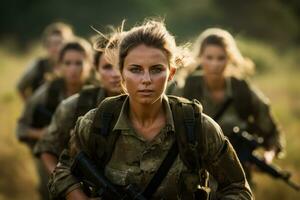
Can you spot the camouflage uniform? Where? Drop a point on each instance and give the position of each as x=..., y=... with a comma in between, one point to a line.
x=35, y=75
x=63, y=121
x=142, y=158
x=260, y=118
x=40, y=99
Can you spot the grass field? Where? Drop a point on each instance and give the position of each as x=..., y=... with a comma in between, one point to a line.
x=280, y=82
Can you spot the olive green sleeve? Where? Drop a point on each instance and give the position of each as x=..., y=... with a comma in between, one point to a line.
x=62, y=181
x=265, y=122
x=57, y=135
x=26, y=119
x=222, y=163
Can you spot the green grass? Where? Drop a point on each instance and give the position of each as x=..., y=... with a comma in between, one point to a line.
x=277, y=77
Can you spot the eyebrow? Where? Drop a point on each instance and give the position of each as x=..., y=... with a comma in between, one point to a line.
x=156, y=65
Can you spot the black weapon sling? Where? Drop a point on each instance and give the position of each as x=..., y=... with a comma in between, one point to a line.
x=161, y=172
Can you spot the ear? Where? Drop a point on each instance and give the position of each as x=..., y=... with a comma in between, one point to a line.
x=172, y=73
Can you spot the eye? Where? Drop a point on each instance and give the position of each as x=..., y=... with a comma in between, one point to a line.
x=67, y=62
x=135, y=70
x=79, y=63
x=156, y=70
x=221, y=58
x=107, y=67
x=209, y=57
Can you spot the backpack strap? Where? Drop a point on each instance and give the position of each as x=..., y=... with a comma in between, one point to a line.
x=190, y=138
x=53, y=98
x=187, y=112
x=43, y=66
x=106, y=116
x=88, y=99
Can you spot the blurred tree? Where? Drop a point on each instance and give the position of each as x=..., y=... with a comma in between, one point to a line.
x=273, y=20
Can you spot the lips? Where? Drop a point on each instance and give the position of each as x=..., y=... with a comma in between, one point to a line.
x=145, y=92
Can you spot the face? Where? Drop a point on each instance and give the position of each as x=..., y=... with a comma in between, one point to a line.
x=145, y=74
x=73, y=65
x=213, y=60
x=53, y=45
x=110, y=76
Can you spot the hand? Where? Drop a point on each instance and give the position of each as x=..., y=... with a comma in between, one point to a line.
x=269, y=156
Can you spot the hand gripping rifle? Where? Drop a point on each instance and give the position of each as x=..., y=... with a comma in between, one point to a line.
x=88, y=173
x=246, y=144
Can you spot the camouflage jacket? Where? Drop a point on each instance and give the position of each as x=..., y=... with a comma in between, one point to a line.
x=142, y=158
x=63, y=121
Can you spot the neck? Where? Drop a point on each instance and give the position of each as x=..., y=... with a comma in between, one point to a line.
x=111, y=94
x=73, y=88
x=145, y=114
x=215, y=83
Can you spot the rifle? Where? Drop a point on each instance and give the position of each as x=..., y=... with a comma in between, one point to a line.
x=84, y=169
x=245, y=144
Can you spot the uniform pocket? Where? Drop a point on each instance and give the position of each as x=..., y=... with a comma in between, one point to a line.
x=116, y=176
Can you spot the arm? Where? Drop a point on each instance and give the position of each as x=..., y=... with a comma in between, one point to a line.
x=221, y=161
x=265, y=122
x=58, y=132
x=57, y=135
x=49, y=161
x=24, y=129
x=62, y=182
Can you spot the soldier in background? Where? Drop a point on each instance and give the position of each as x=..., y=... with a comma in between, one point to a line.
x=58, y=133
x=54, y=36
x=220, y=84
x=75, y=61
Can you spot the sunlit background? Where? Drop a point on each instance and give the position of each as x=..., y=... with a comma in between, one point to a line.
x=266, y=31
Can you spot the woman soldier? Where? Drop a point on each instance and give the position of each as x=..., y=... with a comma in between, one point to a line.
x=75, y=63
x=226, y=97
x=53, y=38
x=129, y=136
x=57, y=135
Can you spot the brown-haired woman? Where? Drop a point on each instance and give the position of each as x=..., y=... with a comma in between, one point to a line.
x=63, y=121
x=148, y=125
x=54, y=36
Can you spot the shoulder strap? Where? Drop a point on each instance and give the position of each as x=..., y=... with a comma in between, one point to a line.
x=242, y=98
x=191, y=140
x=52, y=101
x=43, y=66
x=188, y=112
x=106, y=116
x=88, y=99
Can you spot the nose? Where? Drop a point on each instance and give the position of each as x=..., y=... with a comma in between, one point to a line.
x=116, y=73
x=146, y=79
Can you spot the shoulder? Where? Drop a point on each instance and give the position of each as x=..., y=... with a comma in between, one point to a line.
x=40, y=94
x=179, y=101
x=84, y=126
x=197, y=74
x=213, y=137
x=253, y=91
x=68, y=105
